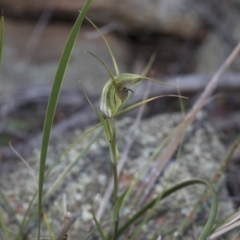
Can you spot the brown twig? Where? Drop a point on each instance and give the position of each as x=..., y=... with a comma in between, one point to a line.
x=191, y=83
x=172, y=145
x=69, y=219
x=187, y=84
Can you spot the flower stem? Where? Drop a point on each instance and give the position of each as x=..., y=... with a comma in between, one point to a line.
x=115, y=198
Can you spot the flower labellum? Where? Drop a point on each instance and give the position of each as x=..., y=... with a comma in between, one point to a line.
x=115, y=92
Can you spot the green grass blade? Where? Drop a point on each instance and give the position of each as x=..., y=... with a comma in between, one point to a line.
x=211, y=219
x=49, y=229
x=31, y=213
x=102, y=120
x=131, y=76
x=149, y=65
x=214, y=181
x=145, y=101
x=144, y=72
x=53, y=102
x=108, y=47
x=71, y=146
x=99, y=228
x=213, y=212
x=117, y=206
x=108, y=70
x=61, y=177
x=1, y=38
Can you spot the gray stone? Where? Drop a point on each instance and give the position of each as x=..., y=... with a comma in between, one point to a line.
x=19, y=71
x=200, y=157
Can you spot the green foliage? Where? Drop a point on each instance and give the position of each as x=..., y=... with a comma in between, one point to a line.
x=52, y=103
x=166, y=193
x=99, y=228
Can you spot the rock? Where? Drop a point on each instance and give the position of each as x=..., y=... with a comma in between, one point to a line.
x=201, y=156
x=219, y=42
x=23, y=69
x=161, y=16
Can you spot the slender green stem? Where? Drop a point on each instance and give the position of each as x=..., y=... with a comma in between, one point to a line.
x=115, y=197
x=111, y=135
x=115, y=179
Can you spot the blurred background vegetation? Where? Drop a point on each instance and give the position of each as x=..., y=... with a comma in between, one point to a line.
x=191, y=38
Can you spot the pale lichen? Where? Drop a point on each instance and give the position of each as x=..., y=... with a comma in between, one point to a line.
x=201, y=156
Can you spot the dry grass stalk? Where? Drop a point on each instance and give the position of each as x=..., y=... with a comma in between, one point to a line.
x=174, y=142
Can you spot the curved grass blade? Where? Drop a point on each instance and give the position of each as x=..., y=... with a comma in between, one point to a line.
x=215, y=179
x=102, y=120
x=117, y=206
x=146, y=101
x=99, y=228
x=109, y=49
x=149, y=65
x=53, y=98
x=26, y=221
x=1, y=37
x=58, y=181
x=210, y=222
x=131, y=76
x=144, y=72
x=72, y=145
x=108, y=70
x=49, y=229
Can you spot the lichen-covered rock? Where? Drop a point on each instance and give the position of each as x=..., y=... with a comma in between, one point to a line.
x=200, y=156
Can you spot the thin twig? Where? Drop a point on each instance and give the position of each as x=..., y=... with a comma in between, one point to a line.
x=226, y=227
x=172, y=145
x=191, y=83
x=26, y=163
x=68, y=221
